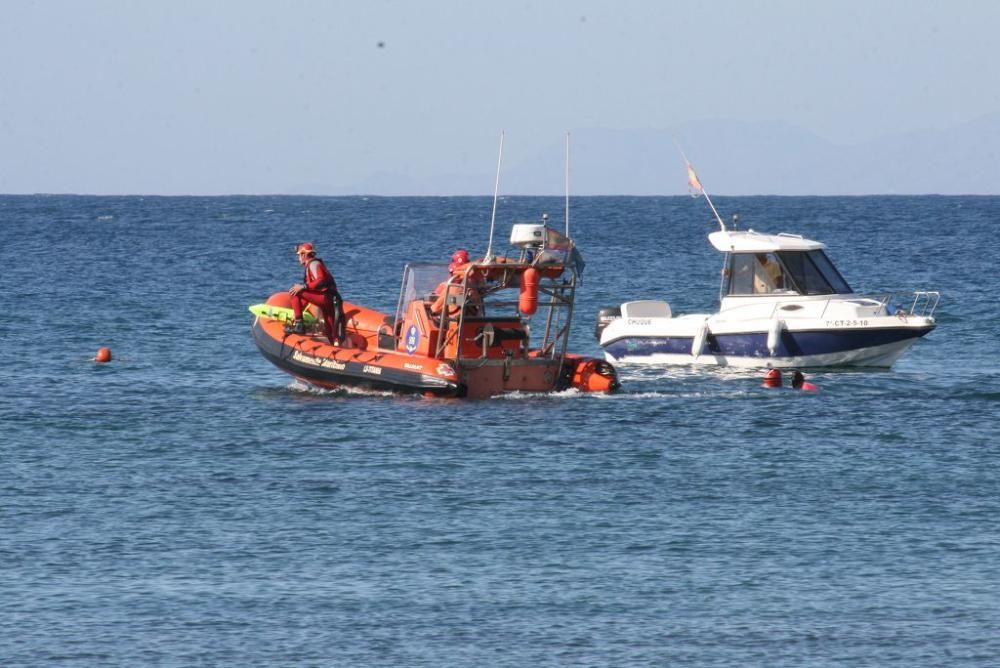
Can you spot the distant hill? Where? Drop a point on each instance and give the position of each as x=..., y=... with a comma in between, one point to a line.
x=738, y=158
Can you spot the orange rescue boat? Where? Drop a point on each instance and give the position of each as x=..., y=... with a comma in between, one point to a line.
x=492, y=326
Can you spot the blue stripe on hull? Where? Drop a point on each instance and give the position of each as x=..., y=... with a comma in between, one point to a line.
x=754, y=344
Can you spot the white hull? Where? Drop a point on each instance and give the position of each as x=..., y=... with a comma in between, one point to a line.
x=883, y=357
x=824, y=332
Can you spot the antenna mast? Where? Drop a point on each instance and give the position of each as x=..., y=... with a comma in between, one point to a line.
x=567, y=184
x=707, y=198
x=496, y=193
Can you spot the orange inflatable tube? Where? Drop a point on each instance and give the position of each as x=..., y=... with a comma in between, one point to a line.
x=527, y=302
x=593, y=375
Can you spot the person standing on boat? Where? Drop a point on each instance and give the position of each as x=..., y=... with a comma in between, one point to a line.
x=457, y=270
x=319, y=288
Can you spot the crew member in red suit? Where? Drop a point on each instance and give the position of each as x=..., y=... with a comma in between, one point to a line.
x=473, y=287
x=320, y=289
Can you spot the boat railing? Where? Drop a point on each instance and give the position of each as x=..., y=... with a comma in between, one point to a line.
x=556, y=298
x=921, y=303
x=925, y=302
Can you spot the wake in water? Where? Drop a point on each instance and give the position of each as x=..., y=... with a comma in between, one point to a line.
x=297, y=387
x=638, y=389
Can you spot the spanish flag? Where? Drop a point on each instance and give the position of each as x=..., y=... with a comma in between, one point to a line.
x=693, y=183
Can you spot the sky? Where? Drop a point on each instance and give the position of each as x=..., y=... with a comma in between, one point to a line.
x=226, y=97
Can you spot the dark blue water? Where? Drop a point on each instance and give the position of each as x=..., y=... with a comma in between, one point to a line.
x=187, y=504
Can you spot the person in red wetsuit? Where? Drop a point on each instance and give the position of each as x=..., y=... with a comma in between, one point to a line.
x=319, y=288
x=799, y=382
x=457, y=270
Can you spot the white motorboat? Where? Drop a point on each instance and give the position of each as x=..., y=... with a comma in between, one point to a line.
x=783, y=305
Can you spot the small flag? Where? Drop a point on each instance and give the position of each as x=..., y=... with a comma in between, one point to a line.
x=693, y=183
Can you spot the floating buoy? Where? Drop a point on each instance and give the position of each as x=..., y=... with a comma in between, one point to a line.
x=103, y=355
x=772, y=378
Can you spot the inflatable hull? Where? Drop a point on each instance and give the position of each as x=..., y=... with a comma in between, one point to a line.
x=364, y=365
x=316, y=362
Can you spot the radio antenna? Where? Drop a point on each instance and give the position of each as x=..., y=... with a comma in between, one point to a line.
x=567, y=184
x=496, y=194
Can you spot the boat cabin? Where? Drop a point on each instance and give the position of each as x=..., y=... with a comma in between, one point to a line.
x=782, y=264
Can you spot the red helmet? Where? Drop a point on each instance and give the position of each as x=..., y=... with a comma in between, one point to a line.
x=305, y=248
x=461, y=256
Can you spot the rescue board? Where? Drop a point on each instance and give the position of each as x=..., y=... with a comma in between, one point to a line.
x=280, y=313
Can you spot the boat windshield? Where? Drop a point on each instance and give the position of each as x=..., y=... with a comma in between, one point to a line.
x=813, y=273
x=784, y=272
x=420, y=279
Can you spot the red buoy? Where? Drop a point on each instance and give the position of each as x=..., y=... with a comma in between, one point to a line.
x=527, y=302
x=103, y=355
x=772, y=378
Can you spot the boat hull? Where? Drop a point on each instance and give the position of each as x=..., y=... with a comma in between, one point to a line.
x=863, y=347
x=316, y=362
x=364, y=365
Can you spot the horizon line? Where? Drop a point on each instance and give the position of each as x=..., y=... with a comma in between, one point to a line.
x=487, y=195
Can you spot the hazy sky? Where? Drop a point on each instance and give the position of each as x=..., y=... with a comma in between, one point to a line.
x=214, y=97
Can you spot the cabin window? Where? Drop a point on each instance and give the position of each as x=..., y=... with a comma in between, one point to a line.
x=813, y=273
x=756, y=274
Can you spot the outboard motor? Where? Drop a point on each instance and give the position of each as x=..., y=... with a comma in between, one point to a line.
x=604, y=317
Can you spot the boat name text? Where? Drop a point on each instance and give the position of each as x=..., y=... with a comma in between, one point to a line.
x=315, y=361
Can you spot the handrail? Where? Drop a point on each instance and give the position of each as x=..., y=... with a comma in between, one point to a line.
x=928, y=302
x=922, y=303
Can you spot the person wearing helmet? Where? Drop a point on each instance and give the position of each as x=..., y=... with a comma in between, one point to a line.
x=318, y=287
x=457, y=271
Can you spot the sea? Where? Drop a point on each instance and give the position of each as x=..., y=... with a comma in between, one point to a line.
x=188, y=504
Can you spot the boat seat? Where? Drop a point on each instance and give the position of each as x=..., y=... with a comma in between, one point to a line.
x=646, y=308
x=501, y=334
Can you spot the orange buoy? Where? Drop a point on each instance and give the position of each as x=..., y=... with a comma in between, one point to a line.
x=527, y=303
x=772, y=378
x=103, y=355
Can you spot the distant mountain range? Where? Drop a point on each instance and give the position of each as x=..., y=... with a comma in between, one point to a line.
x=736, y=158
